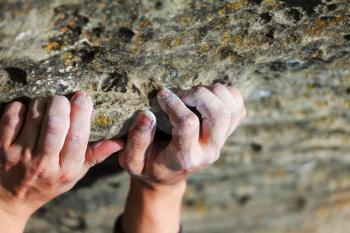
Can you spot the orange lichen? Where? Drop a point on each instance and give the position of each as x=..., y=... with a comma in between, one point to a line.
x=72, y=22
x=275, y=4
x=64, y=29
x=232, y=6
x=321, y=24
x=54, y=45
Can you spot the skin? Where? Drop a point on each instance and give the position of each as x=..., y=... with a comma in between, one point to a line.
x=159, y=170
x=44, y=151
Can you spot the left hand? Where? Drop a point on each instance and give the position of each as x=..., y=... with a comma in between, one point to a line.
x=44, y=151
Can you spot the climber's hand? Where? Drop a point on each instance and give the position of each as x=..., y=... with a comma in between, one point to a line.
x=195, y=143
x=44, y=151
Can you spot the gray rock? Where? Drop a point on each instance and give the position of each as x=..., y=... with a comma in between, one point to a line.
x=285, y=170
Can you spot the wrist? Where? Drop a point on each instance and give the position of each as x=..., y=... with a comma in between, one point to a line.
x=142, y=187
x=153, y=208
x=11, y=222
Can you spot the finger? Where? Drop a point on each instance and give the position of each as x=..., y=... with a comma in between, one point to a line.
x=140, y=137
x=97, y=152
x=231, y=101
x=216, y=116
x=54, y=127
x=31, y=129
x=240, y=110
x=75, y=146
x=185, y=123
x=11, y=123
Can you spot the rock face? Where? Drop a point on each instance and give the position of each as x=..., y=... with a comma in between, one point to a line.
x=285, y=170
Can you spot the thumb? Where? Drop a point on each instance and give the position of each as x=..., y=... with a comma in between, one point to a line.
x=99, y=151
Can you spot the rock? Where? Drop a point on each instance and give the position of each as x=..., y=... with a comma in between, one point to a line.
x=285, y=169
x=122, y=59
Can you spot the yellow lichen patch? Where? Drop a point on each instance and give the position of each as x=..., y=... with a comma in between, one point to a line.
x=204, y=48
x=227, y=36
x=68, y=58
x=238, y=39
x=64, y=29
x=102, y=120
x=273, y=3
x=101, y=5
x=178, y=40
x=72, y=22
x=184, y=20
x=171, y=41
x=235, y=6
x=53, y=46
x=145, y=23
x=322, y=24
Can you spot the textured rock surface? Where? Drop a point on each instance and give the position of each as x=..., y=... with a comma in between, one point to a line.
x=286, y=170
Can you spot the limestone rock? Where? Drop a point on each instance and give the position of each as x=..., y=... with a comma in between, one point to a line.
x=285, y=170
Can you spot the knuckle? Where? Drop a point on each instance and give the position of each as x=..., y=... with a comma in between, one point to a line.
x=66, y=177
x=40, y=168
x=55, y=124
x=237, y=95
x=9, y=121
x=75, y=137
x=187, y=121
x=138, y=139
x=201, y=91
x=218, y=88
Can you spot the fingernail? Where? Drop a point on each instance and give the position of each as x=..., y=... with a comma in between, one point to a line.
x=79, y=97
x=144, y=121
x=165, y=93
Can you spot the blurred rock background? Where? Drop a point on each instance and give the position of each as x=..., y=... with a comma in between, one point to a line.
x=285, y=170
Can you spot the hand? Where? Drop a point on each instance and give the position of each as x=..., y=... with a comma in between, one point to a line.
x=44, y=151
x=159, y=168
x=193, y=145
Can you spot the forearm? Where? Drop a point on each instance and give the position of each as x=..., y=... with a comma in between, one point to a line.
x=148, y=210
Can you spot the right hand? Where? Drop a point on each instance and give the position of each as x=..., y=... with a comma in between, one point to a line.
x=193, y=146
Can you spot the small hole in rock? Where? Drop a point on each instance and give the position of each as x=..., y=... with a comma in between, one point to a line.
x=348, y=91
x=17, y=75
x=86, y=55
x=309, y=6
x=126, y=34
x=266, y=17
x=243, y=200
x=256, y=147
x=299, y=203
x=158, y=5
x=271, y=34
x=332, y=7
x=256, y=1
x=295, y=14
x=347, y=37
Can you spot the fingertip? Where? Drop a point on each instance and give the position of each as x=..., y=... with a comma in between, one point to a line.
x=164, y=93
x=15, y=106
x=145, y=120
x=81, y=100
x=117, y=144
